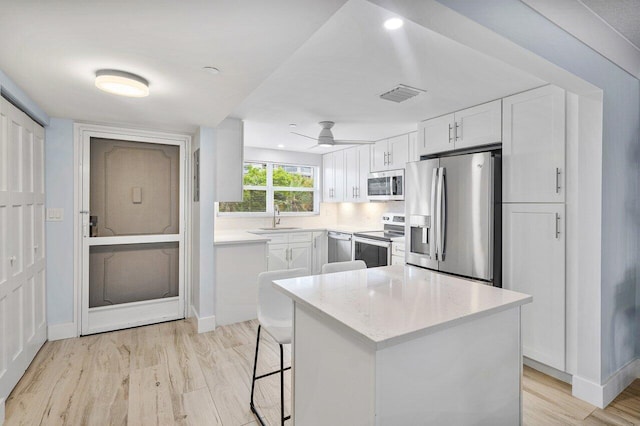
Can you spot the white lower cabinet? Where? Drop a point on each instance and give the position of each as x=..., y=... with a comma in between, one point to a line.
x=278, y=257
x=320, y=251
x=534, y=263
x=397, y=253
x=290, y=251
x=300, y=256
x=237, y=288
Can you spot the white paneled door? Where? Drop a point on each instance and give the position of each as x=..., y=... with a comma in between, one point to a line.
x=132, y=229
x=23, y=327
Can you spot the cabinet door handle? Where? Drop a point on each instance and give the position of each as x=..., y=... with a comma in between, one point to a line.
x=558, y=180
x=458, y=131
x=389, y=158
x=557, y=226
x=12, y=259
x=385, y=158
x=450, y=129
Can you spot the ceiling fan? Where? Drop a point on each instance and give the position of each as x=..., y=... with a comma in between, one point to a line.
x=326, y=137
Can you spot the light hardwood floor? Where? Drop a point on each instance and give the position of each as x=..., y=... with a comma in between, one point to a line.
x=167, y=374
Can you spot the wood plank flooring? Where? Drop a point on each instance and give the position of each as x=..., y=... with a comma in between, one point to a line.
x=167, y=374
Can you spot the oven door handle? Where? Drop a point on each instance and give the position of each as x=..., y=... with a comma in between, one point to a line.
x=385, y=244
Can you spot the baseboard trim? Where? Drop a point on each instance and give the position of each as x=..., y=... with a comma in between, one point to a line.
x=203, y=324
x=549, y=371
x=602, y=395
x=65, y=330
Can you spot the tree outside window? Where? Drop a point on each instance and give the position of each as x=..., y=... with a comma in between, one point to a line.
x=293, y=188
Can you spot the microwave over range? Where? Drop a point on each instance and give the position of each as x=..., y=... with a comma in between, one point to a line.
x=386, y=186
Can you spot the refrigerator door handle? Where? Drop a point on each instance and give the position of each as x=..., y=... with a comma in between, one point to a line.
x=442, y=212
x=433, y=249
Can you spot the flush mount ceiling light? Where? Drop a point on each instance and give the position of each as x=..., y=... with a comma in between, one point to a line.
x=393, y=23
x=122, y=83
x=280, y=145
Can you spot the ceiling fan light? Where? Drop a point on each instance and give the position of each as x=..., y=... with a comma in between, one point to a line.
x=122, y=83
x=325, y=145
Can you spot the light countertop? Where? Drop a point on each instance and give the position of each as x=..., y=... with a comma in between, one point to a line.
x=393, y=304
x=237, y=237
x=223, y=237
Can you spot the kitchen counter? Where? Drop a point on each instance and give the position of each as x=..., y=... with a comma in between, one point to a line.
x=237, y=237
x=410, y=343
x=261, y=235
x=395, y=303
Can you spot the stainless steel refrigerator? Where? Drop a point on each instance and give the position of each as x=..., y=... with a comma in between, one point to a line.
x=453, y=209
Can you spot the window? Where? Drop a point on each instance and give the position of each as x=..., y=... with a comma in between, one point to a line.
x=293, y=188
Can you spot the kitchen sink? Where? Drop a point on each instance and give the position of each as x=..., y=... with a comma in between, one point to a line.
x=278, y=227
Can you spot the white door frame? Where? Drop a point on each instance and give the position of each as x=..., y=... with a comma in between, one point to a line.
x=83, y=132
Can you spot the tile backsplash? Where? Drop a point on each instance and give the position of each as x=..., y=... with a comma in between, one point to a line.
x=358, y=215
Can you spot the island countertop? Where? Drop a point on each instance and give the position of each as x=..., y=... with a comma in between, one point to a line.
x=393, y=304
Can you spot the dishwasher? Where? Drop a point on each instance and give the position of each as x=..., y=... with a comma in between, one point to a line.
x=339, y=246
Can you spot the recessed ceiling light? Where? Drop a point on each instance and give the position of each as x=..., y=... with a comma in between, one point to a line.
x=212, y=70
x=393, y=23
x=122, y=83
x=293, y=125
x=280, y=145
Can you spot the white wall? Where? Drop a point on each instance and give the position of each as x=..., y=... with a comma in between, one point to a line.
x=59, y=168
x=202, y=256
x=619, y=290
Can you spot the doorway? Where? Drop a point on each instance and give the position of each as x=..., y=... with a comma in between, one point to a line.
x=132, y=230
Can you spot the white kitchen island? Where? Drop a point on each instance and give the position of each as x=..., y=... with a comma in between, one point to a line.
x=401, y=345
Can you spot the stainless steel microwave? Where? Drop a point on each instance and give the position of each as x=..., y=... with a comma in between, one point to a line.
x=386, y=186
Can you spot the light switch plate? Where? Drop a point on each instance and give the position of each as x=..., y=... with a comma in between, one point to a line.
x=136, y=195
x=55, y=215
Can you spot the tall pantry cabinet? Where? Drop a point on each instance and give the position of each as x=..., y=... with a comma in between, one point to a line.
x=533, y=194
x=23, y=327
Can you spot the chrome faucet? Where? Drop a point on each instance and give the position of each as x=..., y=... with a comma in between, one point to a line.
x=276, y=210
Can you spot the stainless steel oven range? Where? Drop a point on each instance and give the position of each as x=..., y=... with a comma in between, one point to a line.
x=375, y=247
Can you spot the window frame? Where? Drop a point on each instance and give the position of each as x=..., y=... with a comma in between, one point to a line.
x=270, y=189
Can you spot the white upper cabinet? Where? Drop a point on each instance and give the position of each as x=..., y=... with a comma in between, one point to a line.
x=533, y=262
x=478, y=125
x=390, y=154
x=413, y=147
x=379, y=152
x=398, y=152
x=333, y=177
x=533, y=148
x=471, y=127
x=436, y=135
x=356, y=166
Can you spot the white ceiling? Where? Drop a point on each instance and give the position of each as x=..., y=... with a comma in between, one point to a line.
x=52, y=49
x=339, y=73
x=282, y=61
x=610, y=27
x=622, y=15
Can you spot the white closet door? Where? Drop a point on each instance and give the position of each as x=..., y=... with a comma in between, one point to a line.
x=22, y=259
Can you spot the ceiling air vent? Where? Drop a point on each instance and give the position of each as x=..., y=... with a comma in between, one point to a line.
x=400, y=93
